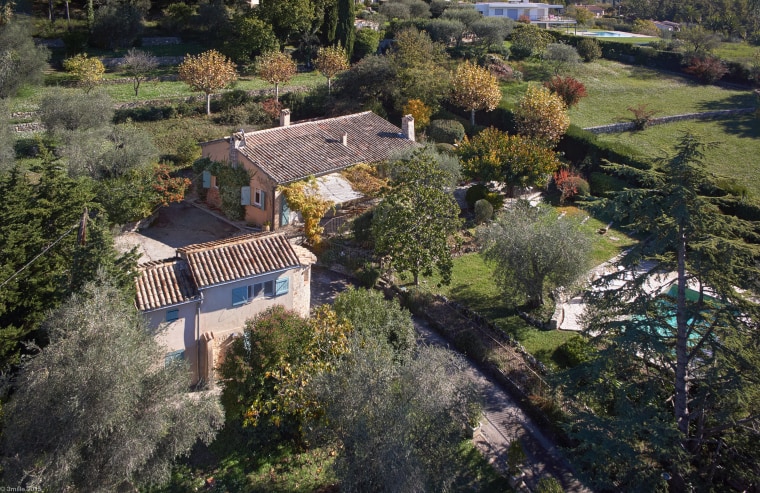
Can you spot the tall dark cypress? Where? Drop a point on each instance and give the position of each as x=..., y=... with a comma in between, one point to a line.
x=329, y=24
x=345, y=34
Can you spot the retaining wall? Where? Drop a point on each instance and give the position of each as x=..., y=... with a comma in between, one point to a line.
x=706, y=115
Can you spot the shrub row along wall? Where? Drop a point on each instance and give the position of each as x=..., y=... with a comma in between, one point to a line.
x=648, y=56
x=707, y=115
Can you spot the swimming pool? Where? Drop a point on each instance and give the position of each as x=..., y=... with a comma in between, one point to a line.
x=609, y=34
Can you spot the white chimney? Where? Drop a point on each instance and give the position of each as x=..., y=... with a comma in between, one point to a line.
x=407, y=127
x=285, y=118
x=345, y=139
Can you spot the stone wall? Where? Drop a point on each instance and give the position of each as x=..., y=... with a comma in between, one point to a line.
x=707, y=115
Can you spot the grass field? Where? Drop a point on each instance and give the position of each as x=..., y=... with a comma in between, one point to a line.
x=737, y=52
x=612, y=87
x=28, y=98
x=735, y=158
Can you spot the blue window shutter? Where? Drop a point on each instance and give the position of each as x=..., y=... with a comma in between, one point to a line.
x=263, y=200
x=172, y=315
x=174, y=357
x=281, y=287
x=284, y=211
x=206, y=179
x=245, y=195
x=239, y=295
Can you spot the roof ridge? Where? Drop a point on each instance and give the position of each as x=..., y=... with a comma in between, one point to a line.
x=232, y=240
x=306, y=122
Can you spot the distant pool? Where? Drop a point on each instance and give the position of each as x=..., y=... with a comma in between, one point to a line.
x=666, y=328
x=610, y=34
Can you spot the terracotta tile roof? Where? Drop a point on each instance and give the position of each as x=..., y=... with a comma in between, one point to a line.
x=315, y=147
x=164, y=283
x=237, y=258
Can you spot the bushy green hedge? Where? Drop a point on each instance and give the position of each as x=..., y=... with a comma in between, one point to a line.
x=445, y=131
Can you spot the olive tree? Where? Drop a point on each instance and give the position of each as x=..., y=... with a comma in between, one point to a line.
x=399, y=426
x=97, y=409
x=532, y=249
x=21, y=62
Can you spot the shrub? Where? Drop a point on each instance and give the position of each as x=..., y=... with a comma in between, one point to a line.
x=549, y=485
x=483, y=211
x=361, y=227
x=645, y=26
x=573, y=352
x=368, y=275
x=496, y=200
x=570, y=184
x=706, y=69
x=569, y=89
x=236, y=115
x=589, y=49
x=445, y=148
x=642, y=115
x=232, y=99
x=475, y=193
x=445, y=131
x=541, y=115
x=501, y=69
x=561, y=56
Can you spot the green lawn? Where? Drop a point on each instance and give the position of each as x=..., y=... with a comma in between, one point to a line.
x=28, y=99
x=735, y=158
x=613, y=87
x=737, y=52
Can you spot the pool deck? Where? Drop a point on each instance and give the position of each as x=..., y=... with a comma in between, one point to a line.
x=568, y=314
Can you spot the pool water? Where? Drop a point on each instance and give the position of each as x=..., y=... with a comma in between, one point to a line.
x=609, y=34
x=668, y=328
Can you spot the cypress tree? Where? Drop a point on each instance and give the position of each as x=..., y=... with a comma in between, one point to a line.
x=345, y=33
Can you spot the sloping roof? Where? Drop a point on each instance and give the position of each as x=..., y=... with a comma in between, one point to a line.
x=164, y=283
x=336, y=189
x=316, y=148
x=238, y=257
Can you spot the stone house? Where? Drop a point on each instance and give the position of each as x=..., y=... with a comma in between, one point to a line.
x=295, y=151
x=197, y=301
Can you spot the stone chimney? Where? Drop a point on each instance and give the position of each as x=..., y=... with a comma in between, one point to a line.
x=407, y=127
x=285, y=118
x=345, y=139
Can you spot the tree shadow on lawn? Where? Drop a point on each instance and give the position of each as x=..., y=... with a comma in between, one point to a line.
x=493, y=308
x=746, y=126
x=732, y=102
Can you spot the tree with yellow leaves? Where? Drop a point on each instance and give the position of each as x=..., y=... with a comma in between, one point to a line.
x=208, y=72
x=331, y=60
x=474, y=88
x=419, y=111
x=541, y=115
x=303, y=197
x=88, y=71
x=275, y=67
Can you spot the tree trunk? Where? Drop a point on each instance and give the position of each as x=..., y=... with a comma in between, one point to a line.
x=208, y=103
x=472, y=117
x=680, y=400
x=276, y=91
x=329, y=85
x=136, y=86
x=68, y=16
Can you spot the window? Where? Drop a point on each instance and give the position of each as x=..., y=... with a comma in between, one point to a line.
x=281, y=286
x=498, y=12
x=172, y=315
x=174, y=357
x=240, y=296
x=259, y=199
